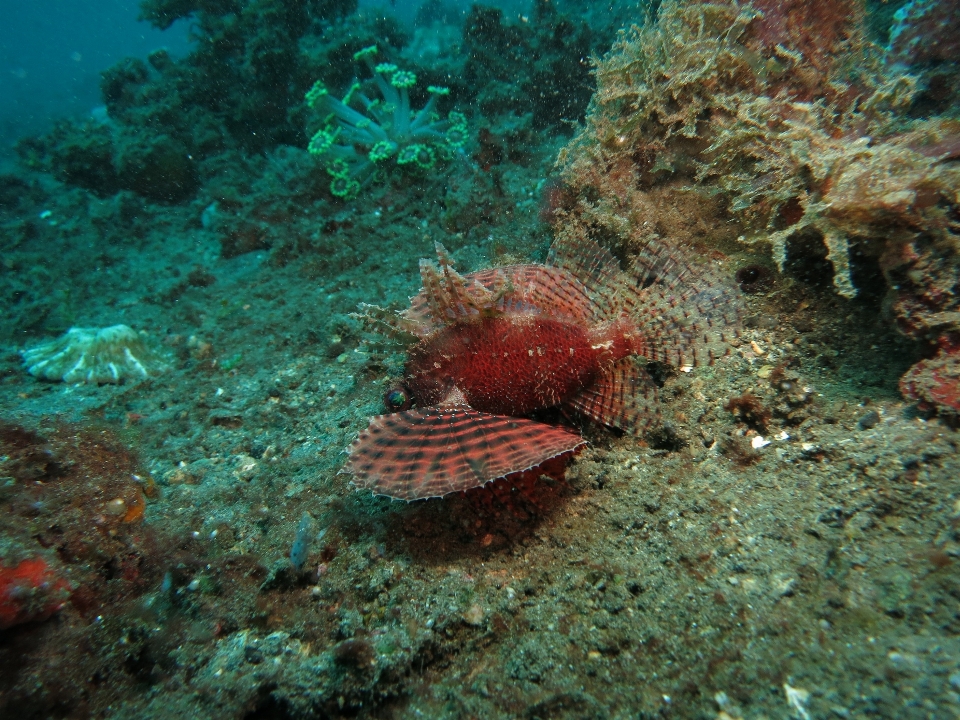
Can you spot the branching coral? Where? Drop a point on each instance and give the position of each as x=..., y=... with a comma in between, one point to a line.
x=95, y=355
x=357, y=143
x=791, y=131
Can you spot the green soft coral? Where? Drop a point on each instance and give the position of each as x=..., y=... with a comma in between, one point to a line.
x=358, y=136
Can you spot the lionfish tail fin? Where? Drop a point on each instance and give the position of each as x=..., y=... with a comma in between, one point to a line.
x=434, y=451
x=624, y=397
x=689, y=312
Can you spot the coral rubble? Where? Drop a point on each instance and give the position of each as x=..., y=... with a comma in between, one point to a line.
x=95, y=355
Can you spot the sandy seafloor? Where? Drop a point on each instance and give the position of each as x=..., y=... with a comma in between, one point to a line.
x=688, y=575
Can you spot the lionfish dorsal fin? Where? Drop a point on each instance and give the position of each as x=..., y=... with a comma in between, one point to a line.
x=452, y=297
x=437, y=450
x=594, y=267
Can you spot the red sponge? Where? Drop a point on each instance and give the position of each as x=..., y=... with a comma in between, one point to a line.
x=30, y=591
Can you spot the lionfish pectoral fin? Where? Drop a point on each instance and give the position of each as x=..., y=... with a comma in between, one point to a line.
x=434, y=451
x=690, y=311
x=624, y=397
x=594, y=267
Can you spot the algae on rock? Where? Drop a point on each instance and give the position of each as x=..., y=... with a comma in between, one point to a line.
x=791, y=133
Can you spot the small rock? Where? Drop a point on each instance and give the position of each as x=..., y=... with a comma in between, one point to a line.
x=906, y=663
x=474, y=615
x=252, y=654
x=868, y=420
x=783, y=585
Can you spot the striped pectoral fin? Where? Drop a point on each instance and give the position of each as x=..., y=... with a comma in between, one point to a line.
x=435, y=451
x=624, y=397
x=690, y=311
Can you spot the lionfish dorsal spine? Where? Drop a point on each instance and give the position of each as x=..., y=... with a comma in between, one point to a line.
x=453, y=297
x=384, y=322
x=433, y=290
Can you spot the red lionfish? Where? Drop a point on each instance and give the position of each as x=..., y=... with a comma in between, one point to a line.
x=497, y=345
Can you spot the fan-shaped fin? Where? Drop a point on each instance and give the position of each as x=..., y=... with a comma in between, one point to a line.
x=688, y=312
x=625, y=397
x=594, y=267
x=435, y=451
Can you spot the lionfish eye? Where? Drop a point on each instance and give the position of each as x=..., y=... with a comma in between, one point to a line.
x=397, y=399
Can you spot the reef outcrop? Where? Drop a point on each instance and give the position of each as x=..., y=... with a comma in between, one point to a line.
x=729, y=124
x=786, y=116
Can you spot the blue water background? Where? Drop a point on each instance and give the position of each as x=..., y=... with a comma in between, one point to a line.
x=53, y=51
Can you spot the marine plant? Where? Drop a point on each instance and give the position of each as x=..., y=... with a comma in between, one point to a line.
x=358, y=142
